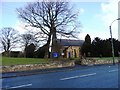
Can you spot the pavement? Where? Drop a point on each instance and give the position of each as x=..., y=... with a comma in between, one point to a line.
x=99, y=76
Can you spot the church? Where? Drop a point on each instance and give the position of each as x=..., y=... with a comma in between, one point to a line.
x=70, y=48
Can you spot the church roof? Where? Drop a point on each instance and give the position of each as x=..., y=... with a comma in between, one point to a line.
x=69, y=42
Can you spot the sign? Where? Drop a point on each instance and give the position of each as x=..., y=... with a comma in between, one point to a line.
x=55, y=54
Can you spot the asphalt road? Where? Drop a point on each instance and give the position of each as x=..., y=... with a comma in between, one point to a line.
x=103, y=76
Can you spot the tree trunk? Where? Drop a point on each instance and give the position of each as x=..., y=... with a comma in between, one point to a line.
x=54, y=41
x=55, y=46
x=47, y=47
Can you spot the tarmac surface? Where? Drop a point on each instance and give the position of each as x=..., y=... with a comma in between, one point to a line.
x=98, y=76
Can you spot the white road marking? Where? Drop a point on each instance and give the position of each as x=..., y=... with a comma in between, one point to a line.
x=78, y=76
x=113, y=70
x=20, y=86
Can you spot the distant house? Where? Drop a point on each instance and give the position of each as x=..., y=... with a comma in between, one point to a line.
x=70, y=48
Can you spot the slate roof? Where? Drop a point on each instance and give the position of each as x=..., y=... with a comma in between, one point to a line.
x=68, y=42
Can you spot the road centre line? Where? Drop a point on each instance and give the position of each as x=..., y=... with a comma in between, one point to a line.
x=78, y=76
x=20, y=86
x=113, y=70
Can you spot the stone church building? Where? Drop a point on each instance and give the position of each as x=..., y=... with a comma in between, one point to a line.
x=70, y=48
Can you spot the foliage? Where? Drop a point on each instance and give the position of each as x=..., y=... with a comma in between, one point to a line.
x=78, y=61
x=29, y=41
x=86, y=47
x=29, y=50
x=15, y=53
x=103, y=47
x=99, y=47
x=40, y=53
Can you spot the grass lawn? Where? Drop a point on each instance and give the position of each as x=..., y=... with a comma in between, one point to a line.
x=105, y=58
x=6, y=61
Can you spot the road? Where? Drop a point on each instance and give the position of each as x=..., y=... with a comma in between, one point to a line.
x=103, y=76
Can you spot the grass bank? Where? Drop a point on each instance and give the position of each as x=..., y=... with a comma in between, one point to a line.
x=6, y=61
x=105, y=58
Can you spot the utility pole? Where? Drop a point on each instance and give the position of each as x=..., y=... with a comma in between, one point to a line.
x=112, y=40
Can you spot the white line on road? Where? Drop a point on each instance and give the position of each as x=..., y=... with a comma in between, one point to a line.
x=78, y=76
x=20, y=86
x=113, y=70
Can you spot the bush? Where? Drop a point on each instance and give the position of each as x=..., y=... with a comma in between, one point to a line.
x=78, y=61
x=30, y=50
x=40, y=53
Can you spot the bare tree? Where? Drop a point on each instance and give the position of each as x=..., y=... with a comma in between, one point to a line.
x=9, y=38
x=51, y=18
x=32, y=37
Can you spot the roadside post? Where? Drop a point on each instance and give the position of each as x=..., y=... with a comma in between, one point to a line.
x=110, y=27
x=118, y=57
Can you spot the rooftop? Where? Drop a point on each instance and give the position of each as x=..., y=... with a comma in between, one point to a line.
x=68, y=42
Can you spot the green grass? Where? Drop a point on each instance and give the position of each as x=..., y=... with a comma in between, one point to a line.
x=105, y=58
x=97, y=58
x=6, y=61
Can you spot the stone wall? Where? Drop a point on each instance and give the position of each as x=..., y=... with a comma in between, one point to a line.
x=92, y=61
x=53, y=64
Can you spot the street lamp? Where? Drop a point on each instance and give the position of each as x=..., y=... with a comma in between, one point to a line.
x=112, y=39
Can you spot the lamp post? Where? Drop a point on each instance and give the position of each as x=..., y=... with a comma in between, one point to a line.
x=112, y=39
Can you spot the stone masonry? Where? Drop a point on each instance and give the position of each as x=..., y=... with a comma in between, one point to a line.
x=53, y=64
x=92, y=61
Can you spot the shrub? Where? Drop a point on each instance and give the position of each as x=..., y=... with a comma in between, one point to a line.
x=78, y=61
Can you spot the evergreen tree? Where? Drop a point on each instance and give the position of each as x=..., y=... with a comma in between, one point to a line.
x=86, y=47
x=30, y=50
